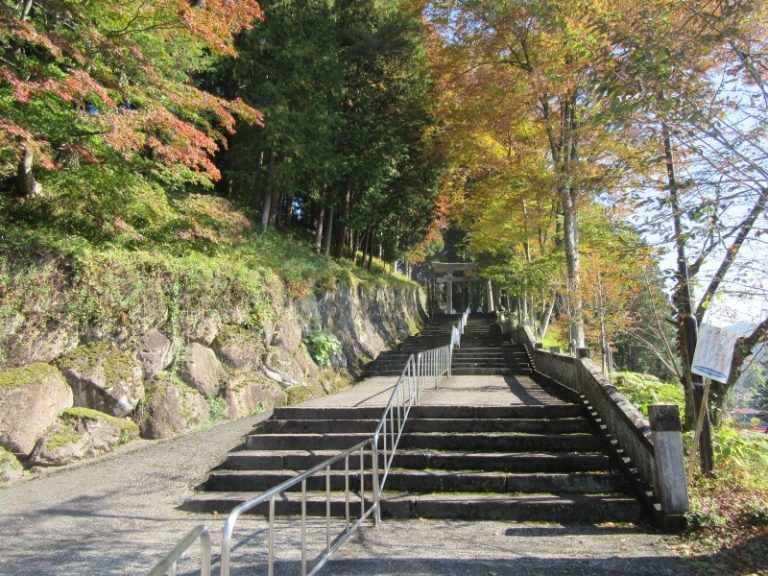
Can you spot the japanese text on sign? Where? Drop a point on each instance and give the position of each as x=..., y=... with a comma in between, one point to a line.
x=714, y=352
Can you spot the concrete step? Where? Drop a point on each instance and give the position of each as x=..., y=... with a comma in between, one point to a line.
x=426, y=411
x=458, y=371
x=461, y=371
x=316, y=426
x=540, y=426
x=591, y=509
x=425, y=459
x=501, y=363
x=531, y=425
x=502, y=442
x=386, y=364
x=425, y=482
x=529, y=508
x=485, y=442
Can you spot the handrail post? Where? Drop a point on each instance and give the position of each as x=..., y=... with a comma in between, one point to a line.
x=419, y=368
x=168, y=564
x=376, y=493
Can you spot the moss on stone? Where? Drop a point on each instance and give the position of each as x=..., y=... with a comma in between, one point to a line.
x=414, y=324
x=299, y=393
x=126, y=426
x=30, y=374
x=118, y=365
x=60, y=439
x=9, y=461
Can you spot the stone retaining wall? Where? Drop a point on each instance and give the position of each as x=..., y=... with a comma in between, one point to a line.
x=176, y=370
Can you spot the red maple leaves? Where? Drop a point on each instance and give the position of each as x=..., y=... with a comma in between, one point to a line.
x=120, y=77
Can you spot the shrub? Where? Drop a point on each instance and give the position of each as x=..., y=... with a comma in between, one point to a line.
x=322, y=347
x=645, y=389
x=217, y=408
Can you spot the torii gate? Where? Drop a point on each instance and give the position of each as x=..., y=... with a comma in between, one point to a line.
x=456, y=283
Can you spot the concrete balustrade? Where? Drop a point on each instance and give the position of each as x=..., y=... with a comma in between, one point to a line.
x=655, y=449
x=670, y=463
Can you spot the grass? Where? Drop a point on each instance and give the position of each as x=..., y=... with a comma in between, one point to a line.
x=51, y=278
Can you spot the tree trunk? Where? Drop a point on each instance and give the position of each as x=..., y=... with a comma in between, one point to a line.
x=682, y=291
x=27, y=186
x=369, y=264
x=26, y=7
x=274, y=208
x=573, y=278
x=319, y=229
x=354, y=241
x=257, y=193
x=343, y=228
x=328, y=231
x=546, y=319
x=266, y=207
x=563, y=152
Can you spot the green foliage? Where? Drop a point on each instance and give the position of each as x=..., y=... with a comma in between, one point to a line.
x=645, y=389
x=260, y=408
x=217, y=408
x=344, y=89
x=759, y=398
x=322, y=347
x=741, y=456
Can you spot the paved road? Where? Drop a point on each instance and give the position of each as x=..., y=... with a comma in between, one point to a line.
x=117, y=515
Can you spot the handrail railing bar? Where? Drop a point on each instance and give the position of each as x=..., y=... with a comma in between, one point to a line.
x=346, y=492
x=376, y=484
x=168, y=564
x=328, y=508
x=304, y=527
x=271, y=570
x=280, y=488
x=362, y=481
x=339, y=543
x=406, y=392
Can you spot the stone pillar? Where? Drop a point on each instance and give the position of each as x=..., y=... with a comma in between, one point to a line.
x=666, y=432
x=450, y=297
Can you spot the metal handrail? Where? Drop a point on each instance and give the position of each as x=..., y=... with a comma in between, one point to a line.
x=168, y=564
x=431, y=364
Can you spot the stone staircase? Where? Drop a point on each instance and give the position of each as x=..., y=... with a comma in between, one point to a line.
x=484, y=350
x=534, y=463
x=529, y=457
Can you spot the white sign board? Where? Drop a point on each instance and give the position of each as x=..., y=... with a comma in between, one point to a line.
x=714, y=352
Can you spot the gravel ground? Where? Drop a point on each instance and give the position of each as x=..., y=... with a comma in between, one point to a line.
x=117, y=515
